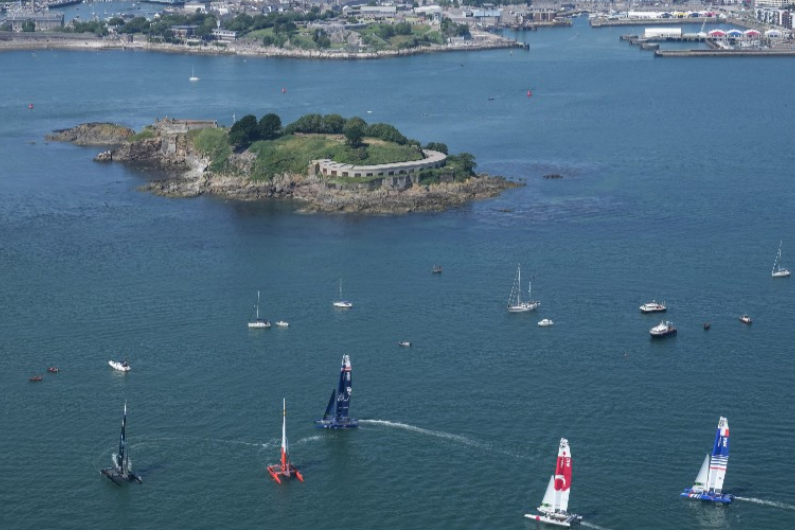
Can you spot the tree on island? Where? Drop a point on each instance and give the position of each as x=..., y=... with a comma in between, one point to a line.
x=269, y=127
x=244, y=131
x=354, y=131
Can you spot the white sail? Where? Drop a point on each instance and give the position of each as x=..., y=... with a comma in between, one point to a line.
x=548, y=503
x=703, y=476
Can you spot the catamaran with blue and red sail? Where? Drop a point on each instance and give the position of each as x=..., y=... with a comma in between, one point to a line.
x=122, y=465
x=284, y=468
x=554, y=507
x=336, y=415
x=709, y=482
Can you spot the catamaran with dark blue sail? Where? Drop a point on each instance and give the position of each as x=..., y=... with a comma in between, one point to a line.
x=709, y=482
x=121, y=471
x=336, y=415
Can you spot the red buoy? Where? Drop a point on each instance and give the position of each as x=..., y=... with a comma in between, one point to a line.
x=284, y=91
x=529, y=93
x=30, y=105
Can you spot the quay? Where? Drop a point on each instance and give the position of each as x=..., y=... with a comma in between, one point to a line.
x=604, y=22
x=724, y=53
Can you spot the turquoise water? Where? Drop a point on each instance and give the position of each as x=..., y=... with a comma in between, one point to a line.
x=678, y=189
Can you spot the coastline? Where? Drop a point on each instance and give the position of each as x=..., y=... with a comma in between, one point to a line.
x=87, y=42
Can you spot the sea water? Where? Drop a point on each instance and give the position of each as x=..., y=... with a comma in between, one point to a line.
x=677, y=187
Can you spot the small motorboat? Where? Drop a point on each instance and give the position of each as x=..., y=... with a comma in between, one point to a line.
x=53, y=369
x=282, y=324
x=437, y=269
x=35, y=378
x=653, y=307
x=121, y=366
x=405, y=344
x=546, y=323
x=745, y=319
x=663, y=329
x=707, y=325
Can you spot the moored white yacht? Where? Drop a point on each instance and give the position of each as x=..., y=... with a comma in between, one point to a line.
x=653, y=307
x=663, y=329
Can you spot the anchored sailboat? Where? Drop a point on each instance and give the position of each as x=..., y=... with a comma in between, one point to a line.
x=515, y=303
x=122, y=465
x=709, y=482
x=342, y=303
x=258, y=322
x=553, y=509
x=285, y=468
x=336, y=415
x=778, y=270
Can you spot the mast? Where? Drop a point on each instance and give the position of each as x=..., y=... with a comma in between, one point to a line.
x=285, y=455
x=340, y=288
x=122, y=442
x=257, y=306
x=719, y=460
x=563, y=476
x=344, y=390
x=519, y=284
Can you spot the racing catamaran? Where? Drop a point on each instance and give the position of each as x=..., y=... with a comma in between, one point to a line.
x=285, y=468
x=709, y=482
x=122, y=465
x=554, y=506
x=339, y=402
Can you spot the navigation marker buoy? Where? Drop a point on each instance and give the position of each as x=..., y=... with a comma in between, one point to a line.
x=529, y=93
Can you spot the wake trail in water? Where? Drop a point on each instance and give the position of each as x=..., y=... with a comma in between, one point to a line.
x=457, y=438
x=775, y=504
x=591, y=525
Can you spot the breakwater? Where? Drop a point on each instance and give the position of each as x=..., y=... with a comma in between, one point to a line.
x=724, y=53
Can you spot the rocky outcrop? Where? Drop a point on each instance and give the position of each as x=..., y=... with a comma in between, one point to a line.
x=93, y=134
x=189, y=175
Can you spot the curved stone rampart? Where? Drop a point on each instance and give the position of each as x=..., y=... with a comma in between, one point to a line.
x=329, y=168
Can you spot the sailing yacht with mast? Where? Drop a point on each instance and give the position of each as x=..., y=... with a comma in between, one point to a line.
x=554, y=507
x=193, y=77
x=258, y=322
x=122, y=465
x=709, y=482
x=778, y=270
x=285, y=468
x=515, y=303
x=336, y=415
x=342, y=303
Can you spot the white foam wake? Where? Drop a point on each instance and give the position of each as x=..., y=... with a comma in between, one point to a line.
x=591, y=525
x=775, y=504
x=456, y=438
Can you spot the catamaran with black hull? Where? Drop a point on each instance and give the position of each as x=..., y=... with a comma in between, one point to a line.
x=554, y=506
x=709, y=482
x=121, y=471
x=336, y=415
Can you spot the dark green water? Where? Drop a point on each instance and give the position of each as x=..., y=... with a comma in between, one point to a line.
x=680, y=189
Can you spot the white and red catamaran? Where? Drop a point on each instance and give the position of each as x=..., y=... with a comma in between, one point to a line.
x=553, y=509
x=285, y=468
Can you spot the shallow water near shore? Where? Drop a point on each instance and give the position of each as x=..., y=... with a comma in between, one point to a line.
x=676, y=187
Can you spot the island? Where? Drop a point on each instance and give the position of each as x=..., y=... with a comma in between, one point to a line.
x=326, y=163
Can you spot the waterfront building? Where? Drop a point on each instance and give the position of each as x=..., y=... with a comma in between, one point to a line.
x=41, y=21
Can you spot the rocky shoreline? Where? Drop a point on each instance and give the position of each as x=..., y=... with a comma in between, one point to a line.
x=189, y=175
x=85, y=42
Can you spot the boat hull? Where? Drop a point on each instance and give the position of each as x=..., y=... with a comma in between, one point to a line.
x=662, y=335
x=524, y=307
x=343, y=305
x=564, y=520
x=781, y=274
x=117, y=478
x=723, y=498
x=259, y=325
x=119, y=366
x=334, y=424
x=652, y=310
